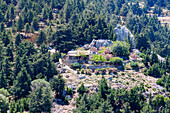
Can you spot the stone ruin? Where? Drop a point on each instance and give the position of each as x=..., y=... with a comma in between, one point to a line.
x=123, y=34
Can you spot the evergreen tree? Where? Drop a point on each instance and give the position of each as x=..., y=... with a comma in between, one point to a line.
x=9, y=53
x=27, y=28
x=58, y=86
x=154, y=58
x=18, y=39
x=17, y=66
x=3, y=82
x=103, y=88
x=22, y=84
x=44, y=49
x=82, y=89
x=25, y=63
x=41, y=38
x=6, y=66
x=142, y=42
x=30, y=16
x=51, y=69
x=45, y=15
x=51, y=15
x=105, y=107
x=2, y=27
x=12, y=13
x=35, y=23
x=40, y=97
x=4, y=104
x=20, y=24
x=7, y=16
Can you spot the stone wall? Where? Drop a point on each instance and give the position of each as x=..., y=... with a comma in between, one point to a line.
x=93, y=67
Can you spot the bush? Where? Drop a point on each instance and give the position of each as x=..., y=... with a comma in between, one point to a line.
x=122, y=73
x=134, y=65
x=78, y=71
x=96, y=71
x=116, y=61
x=55, y=57
x=69, y=91
x=89, y=72
x=112, y=70
x=142, y=55
x=154, y=70
x=82, y=71
x=145, y=71
x=103, y=71
x=76, y=65
x=98, y=58
x=121, y=48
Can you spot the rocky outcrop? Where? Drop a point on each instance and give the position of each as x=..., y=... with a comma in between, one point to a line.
x=101, y=43
x=98, y=43
x=123, y=34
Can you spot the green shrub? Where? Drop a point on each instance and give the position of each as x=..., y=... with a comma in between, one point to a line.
x=78, y=71
x=82, y=71
x=120, y=48
x=134, y=65
x=154, y=70
x=122, y=73
x=69, y=91
x=153, y=89
x=116, y=61
x=76, y=65
x=142, y=55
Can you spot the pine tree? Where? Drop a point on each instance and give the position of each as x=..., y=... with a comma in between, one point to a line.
x=4, y=104
x=9, y=53
x=27, y=28
x=44, y=49
x=154, y=58
x=25, y=63
x=7, y=69
x=5, y=38
x=142, y=42
x=2, y=27
x=20, y=24
x=51, y=69
x=35, y=23
x=17, y=66
x=105, y=107
x=82, y=89
x=18, y=39
x=22, y=84
x=30, y=16
x=3, y=82
x=103, y=88
x=51, y=15
x=41, y=38
x=12, y=13
x=45, y=16
x=58, y=86
x=7, y=16
x=40, y=97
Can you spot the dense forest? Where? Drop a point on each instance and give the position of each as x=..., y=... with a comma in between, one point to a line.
x=28, y=28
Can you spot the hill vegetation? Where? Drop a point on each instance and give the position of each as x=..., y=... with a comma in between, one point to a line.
x=29, y=80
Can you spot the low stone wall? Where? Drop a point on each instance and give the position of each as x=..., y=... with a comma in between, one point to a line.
x=93, y=67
